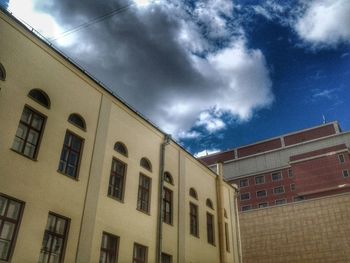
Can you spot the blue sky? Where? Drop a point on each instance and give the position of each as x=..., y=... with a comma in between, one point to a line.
x=214, y=74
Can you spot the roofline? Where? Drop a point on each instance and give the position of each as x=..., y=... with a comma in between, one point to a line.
x=31, y=30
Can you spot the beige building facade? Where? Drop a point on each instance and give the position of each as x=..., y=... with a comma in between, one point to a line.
x=80, y=172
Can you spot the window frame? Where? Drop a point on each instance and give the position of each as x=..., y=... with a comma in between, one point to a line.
x=249, y=207
x=141, y=188
x=83, y=128
x=290, y=173
x=170, y=257
x=240, y=196
x=280, y=192
x=210, y=229
x=121, y=199
x=346, y=173
x=283, y=199
x=165, y=219
x=43, y=93
x=243, y=180
x=263, y=205
x=109, y=251
x=259, y=176
x=17, y=223
x=292, y=187
x=168, y=178
x=136, y=260
x=76, y=176
x=126, y=153
x=41, y=133
x=193, y=193
x=276, y=180
x=148, y=166
x=65, y=235
x=341, y=158
x=263, y=190
x=194, y=218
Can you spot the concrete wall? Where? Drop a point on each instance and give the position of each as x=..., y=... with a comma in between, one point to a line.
x=310, y=231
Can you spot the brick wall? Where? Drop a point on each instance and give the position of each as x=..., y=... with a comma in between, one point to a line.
x=310, y=231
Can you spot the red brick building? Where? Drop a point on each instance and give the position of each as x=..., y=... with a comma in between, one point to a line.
x=302, y=165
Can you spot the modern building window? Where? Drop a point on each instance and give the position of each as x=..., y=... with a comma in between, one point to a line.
x=70, y=155
x=261, y=193
x=109, y=248
x=54, y=241
x=144, y=194
x=277, y=176
x=281, y=201
x=117, y=180
x=244, y=182
x=167, y=206
x=298, y=198
x=168, y=178
x=278, y=190
x=245, y=196
x=166, y=258
x=345, y=173
x=29, y=133
x=227, y=238
x=10, y=219
x=259, y=179
x=290, y=173
x=261, y=205
x=121, y=148
x=145, y=163
x=140, y=254
x=341, y=158
x=246, y=208
x=2, y=72
x=209, y=203
x=194, y=220
x=77, y=121
x=292, y=187
x=210, y=229
x=193, y=193
x=40, y=97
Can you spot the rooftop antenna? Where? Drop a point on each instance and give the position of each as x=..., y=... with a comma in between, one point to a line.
x=324, y=119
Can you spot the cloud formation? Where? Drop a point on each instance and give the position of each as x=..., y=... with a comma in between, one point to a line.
x=181, y=66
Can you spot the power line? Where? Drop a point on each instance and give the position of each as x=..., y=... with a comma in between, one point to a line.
x=93, y=21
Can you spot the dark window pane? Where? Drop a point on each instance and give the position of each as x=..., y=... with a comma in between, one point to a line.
x=40, y=97
x=144, y=193
x=117, y=179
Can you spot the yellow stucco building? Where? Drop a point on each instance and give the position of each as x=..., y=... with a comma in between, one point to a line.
x=80, y=172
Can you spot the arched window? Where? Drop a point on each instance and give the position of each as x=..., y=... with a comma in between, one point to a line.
x=2, y=72
x=225, y=213
x=168, y=178
x=145, y=163
x=77, y=120
x=40, y=97
x=209, y=203
x=193, y=193
x=121, y=148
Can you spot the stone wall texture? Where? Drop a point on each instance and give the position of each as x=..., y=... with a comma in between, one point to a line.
x=316, y=230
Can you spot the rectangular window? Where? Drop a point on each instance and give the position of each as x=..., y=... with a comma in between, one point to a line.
x=55, y=237
x=277, y=176
x=194, y=220
x=227, y=238
x=29, y=132
x=109, y=248
x=261, y=193
x=298, y=198
x=278, y=190
x=290, y=173
x=244, y=182
x=292, y=187
x=281, y=201
x=345, y=173
x=166, y=258
x=246, y=208
x=10, y=218
x=210, y=229
x=261, y=205
x=259, y=179
x=167, y=206
x=140, y=254
x=245, y=196
x=70, y=155
x=341, y=158
x=143, y=196
x=117, y=180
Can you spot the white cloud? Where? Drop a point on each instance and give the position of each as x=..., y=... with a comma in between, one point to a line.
x=210, y=121
x=324, y=22
x=206, y=152
x=189, y=135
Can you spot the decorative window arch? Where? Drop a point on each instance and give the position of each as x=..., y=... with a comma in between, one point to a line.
x=121, y=148
x=2, y=72
x=145, y=163
x=225, y=213
x=168, y=178
x=209, y=203
x=40, y=97
x=77, y=120
x=193, y=193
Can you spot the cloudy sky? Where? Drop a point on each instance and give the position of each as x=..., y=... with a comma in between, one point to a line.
x=215, y=74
